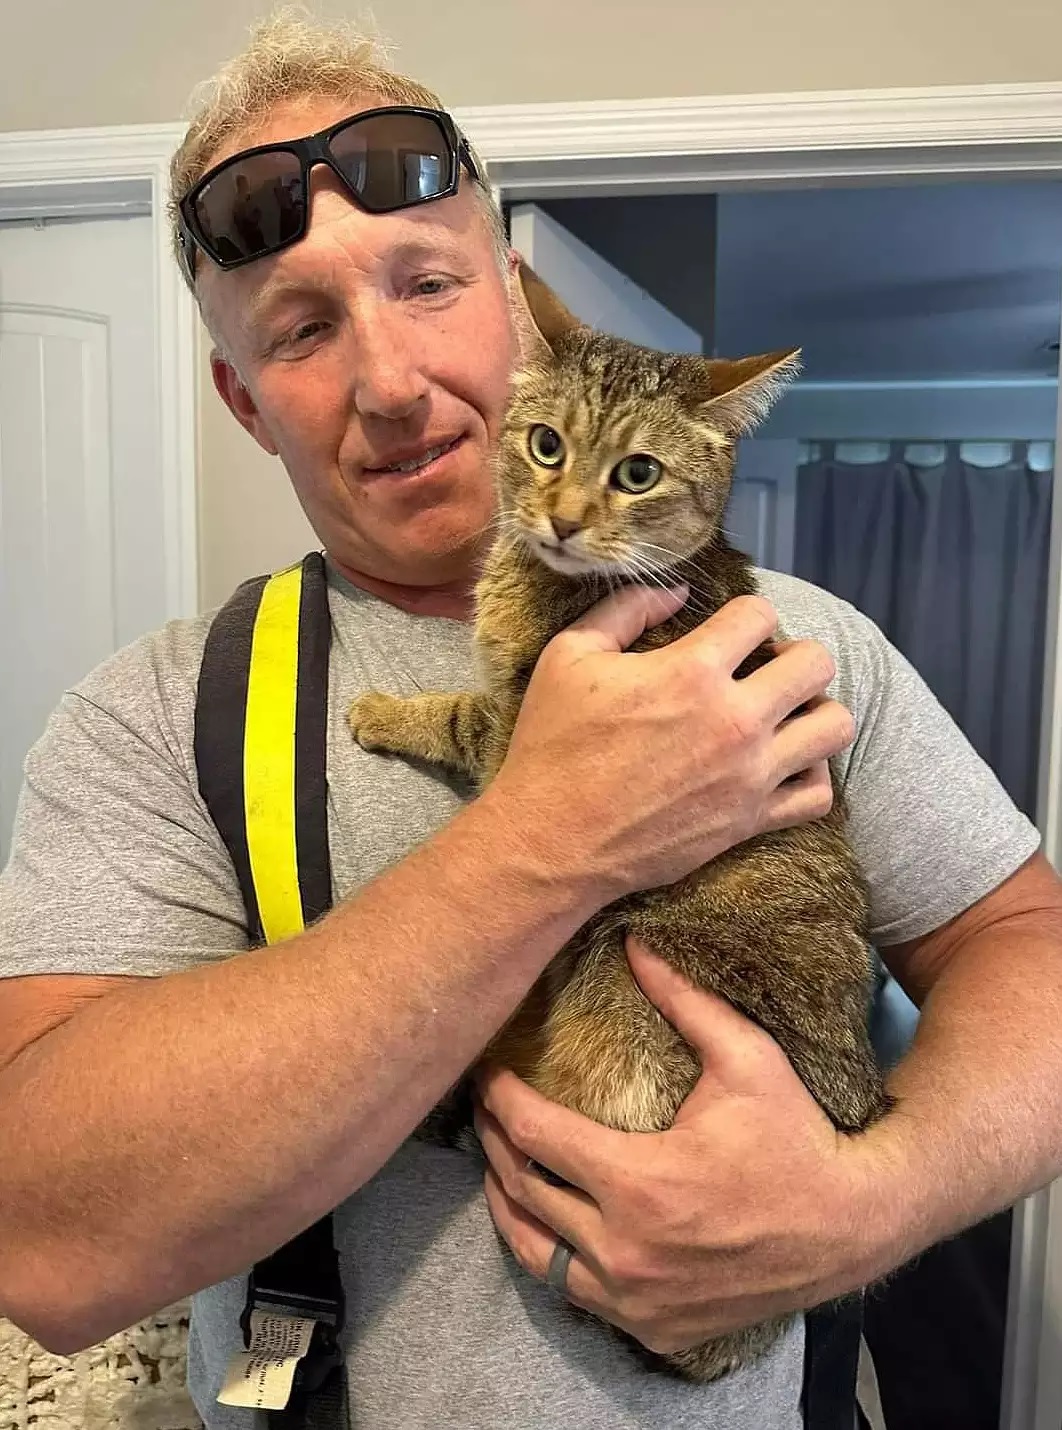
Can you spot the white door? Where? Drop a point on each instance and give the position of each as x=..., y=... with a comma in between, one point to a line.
x=81, y=502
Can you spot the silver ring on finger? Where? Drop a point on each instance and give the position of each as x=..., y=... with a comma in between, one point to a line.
x=557, y=1273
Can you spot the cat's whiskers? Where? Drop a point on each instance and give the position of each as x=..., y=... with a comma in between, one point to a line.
x=642, y=545
x=646, y=576
x=514, y=534
x=667, y=570
x=652, y=574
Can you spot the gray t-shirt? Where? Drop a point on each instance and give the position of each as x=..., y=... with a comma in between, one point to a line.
x=116, y=868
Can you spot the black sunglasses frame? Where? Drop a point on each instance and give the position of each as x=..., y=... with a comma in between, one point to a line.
x=310, y=151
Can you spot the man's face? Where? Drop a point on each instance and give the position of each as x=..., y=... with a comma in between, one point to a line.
x=376, y=340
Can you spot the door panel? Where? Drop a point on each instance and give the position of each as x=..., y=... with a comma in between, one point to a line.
x=81, y=503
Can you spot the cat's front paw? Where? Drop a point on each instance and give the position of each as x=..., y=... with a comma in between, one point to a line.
x=375, y=720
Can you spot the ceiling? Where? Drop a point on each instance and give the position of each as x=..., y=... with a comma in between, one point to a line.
x=940, y=281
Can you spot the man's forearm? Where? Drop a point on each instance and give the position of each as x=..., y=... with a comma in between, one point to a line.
x=171, y=1133
x=980, y=1093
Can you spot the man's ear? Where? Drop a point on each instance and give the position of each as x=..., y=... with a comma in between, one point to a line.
x=239, y=401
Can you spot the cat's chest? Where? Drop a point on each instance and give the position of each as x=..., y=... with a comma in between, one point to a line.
x=517, y=616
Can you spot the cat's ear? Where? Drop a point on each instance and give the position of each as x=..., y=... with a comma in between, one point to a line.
x=737, y=394
x=542, y=317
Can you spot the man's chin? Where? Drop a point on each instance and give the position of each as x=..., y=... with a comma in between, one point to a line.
x=445, y=536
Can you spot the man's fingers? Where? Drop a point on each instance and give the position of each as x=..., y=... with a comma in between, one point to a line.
x=533, y=1245
x=616, y=622
x=798, y=675
x=576, y=1149
x=566, y=1210
x=816, y=734
x=802, y=798
x=732, y=633
x=729, y=1045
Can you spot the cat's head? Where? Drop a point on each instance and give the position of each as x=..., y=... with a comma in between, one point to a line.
x=615, y=458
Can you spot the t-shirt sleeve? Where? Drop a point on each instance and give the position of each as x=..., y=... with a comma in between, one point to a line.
x=115, y=865
x=933, y=827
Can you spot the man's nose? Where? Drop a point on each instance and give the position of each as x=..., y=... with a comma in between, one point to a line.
x=388, y=381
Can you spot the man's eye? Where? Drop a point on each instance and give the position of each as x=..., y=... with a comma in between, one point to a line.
x=305, y=331
x=430, y=286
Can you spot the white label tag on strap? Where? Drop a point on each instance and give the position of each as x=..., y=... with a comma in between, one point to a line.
x=260, y=1378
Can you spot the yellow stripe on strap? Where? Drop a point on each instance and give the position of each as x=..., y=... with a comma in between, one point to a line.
x=269, y=756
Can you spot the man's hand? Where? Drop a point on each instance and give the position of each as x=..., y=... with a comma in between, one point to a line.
x=750, y=1206
x=630, y=770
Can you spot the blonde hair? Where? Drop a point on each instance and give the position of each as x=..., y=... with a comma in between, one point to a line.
x=292, y=56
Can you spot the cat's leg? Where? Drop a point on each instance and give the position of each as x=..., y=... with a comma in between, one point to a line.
x=449, y=730
x=794, y=961
x=790, y=954
x=589, y=1038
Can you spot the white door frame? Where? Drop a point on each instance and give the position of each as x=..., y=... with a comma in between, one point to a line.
x=95, y=172
x=759, y=141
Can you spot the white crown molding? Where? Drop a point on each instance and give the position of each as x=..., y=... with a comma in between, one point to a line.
x=616, y=145
x=68, y=155
x=101, y=167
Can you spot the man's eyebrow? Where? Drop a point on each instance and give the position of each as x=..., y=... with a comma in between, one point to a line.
x=426, y=248
x=440, y=244
x=275, y=291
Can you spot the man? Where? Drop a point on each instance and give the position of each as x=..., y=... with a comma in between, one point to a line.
x=173, y=1107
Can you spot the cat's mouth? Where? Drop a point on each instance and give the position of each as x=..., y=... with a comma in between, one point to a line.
x=559, y=556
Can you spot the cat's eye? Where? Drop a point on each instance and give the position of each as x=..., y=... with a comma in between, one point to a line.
x=636, y=474
x=546, y=446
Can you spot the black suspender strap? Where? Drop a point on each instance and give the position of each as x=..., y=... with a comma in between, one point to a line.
x=221, y=705
x=260, y=745
x=831, y=1364
x=260, y=748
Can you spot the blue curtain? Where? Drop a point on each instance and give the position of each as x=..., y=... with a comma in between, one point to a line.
x=951, y=561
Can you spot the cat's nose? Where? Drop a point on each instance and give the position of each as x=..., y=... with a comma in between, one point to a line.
x=564, y=528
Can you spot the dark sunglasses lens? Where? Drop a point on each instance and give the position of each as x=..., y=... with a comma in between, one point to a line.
x=253, y=207
x=391, y=160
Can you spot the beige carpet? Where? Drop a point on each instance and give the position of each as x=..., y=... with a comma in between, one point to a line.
x=132, y=1381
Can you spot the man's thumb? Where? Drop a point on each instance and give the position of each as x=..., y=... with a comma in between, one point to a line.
x=730, y=1046
x=618, y=621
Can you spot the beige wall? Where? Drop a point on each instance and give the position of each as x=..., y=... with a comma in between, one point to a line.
x=134, y=61
x=131, y=61
x=249, y=520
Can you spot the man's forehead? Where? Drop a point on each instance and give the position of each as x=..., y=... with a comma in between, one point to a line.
x=452, y=231
x=292, y=119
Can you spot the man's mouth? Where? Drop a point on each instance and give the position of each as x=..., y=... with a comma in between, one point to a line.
x=416, y=461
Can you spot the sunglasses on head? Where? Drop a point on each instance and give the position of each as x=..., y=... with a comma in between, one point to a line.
x=258, y=202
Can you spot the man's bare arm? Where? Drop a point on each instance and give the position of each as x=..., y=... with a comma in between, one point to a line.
x=242, y=1100
x=980, y=1093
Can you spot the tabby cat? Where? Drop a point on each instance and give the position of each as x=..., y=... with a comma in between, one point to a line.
x=615, y=465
